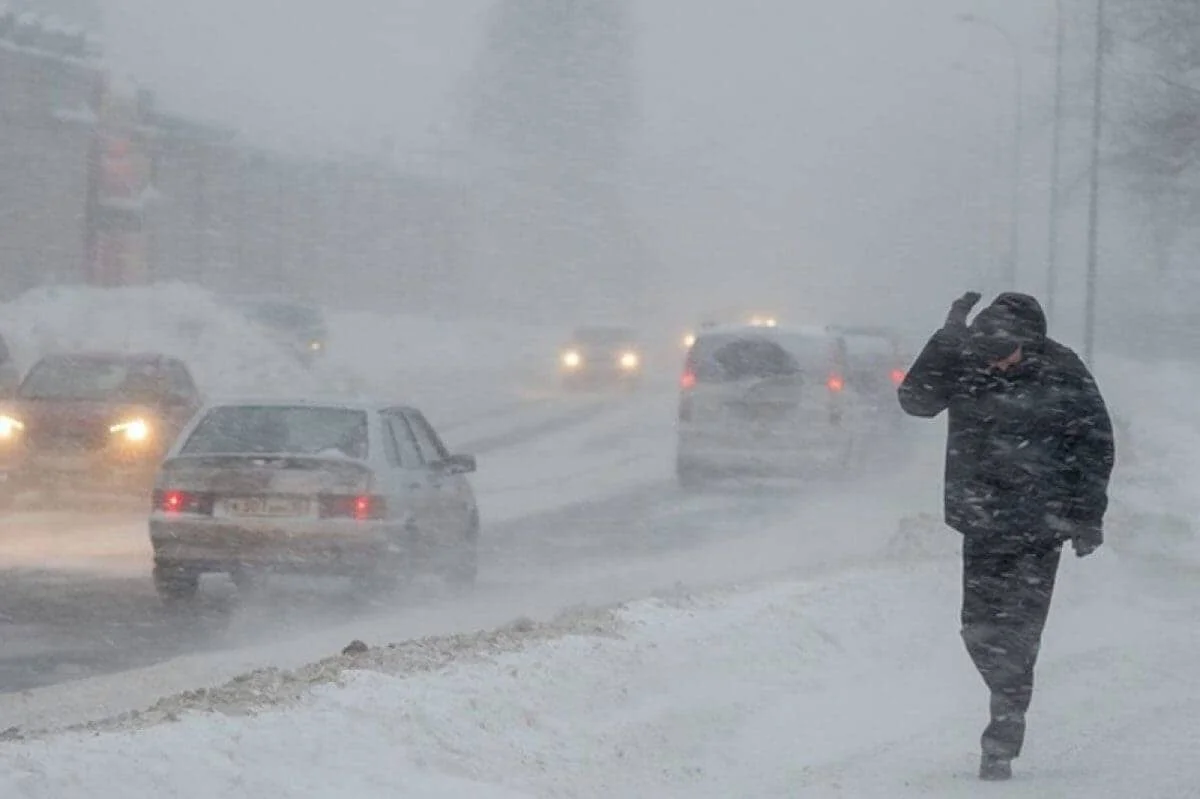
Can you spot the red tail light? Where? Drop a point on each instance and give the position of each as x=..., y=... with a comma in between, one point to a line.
x=173, y=501
x=835, y=383
x=688, y=380
x=360, y=507
x=898, y=376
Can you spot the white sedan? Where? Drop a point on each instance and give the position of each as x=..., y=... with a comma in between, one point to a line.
x=363, y=490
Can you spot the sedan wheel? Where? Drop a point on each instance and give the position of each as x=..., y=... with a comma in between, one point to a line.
x=175, y=584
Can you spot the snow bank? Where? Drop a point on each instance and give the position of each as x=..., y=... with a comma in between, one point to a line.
x=1155, y=510
x=451, y=369
x=227, y=354
x=854, y=686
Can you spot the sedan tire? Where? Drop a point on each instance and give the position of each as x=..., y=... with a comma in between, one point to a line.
x=175, y=584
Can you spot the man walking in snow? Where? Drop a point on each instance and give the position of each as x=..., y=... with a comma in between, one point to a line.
x=1029, y=453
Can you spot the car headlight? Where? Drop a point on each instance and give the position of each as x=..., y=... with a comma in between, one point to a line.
x=689, y=340
x=572, y=359
x=630, y=360
x=315, y=346
x=134, y=430
x=9, y=427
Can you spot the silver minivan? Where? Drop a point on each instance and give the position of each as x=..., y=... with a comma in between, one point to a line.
x=768, y=402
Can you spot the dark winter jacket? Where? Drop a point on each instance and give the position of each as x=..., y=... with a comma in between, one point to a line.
x=1029, y=451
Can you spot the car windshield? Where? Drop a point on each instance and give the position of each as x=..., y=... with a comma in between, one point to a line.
x=89, y=380
x=733, y=357
x=285, y=316
x=604, y=336
x=250, y=430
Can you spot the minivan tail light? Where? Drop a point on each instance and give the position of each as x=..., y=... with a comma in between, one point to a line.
x=360, y=507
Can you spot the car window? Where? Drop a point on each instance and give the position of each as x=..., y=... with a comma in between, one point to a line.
x=280, y=430
x=87, y=380
x=402, y=446
x=731, y=358
x=432, y=449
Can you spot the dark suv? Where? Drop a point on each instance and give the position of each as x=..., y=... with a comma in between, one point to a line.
x=93, y=421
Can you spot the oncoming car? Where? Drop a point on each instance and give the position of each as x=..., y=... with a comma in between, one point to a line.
x=769, y=402
x=93, y=421
x=601, y=356
x=298, y=328
x=364, y=491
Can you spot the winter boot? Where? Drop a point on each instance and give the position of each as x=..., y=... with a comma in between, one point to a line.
x=994, y=768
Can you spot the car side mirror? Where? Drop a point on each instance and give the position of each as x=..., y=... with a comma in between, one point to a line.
x=458, y=464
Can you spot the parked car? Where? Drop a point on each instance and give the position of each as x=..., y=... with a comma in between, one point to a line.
x=359, y=490
x=297, y=328
x=93, y=421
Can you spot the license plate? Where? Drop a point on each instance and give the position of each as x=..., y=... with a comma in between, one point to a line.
x=267, y=506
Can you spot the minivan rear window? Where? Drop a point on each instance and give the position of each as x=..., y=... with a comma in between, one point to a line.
x=731, y=358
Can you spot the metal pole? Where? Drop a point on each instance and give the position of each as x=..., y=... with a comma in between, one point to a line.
x=1089, y=333
x=1056, y=167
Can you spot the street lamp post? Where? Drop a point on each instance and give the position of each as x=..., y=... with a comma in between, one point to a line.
x=1056, y=165
x=1014, y=253
x=1093, y=256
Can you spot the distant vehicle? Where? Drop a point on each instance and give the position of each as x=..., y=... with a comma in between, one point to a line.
x=601, y=356
x=10, y=376
x=93, y=421
x=771, y=402
x=358, y=490
x=298, y=328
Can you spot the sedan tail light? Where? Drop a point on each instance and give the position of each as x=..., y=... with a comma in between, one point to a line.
x=173, y=501
x=360, y=507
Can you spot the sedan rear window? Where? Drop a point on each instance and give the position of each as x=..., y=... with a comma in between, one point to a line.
x=280, y=430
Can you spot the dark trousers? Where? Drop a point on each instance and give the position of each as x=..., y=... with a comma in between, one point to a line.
x=1006, y=599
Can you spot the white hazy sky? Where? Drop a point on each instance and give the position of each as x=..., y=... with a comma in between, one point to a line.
x=830, y=149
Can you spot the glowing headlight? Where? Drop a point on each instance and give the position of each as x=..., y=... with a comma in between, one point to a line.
x=135, y=430
x=689, y=340
x=316, y=346
x=630, y=360
x=763, y=321
x=9, y=427
x=572, y=359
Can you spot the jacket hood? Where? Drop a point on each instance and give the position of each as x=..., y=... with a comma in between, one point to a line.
x=1012, y=320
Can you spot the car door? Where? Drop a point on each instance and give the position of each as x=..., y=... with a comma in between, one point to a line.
x=411, y=492
x=453, y=492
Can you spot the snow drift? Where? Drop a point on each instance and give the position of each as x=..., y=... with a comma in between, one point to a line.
x=850, y=686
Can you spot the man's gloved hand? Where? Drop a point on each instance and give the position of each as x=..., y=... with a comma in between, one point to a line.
x=956, y=320
x=1086, y=539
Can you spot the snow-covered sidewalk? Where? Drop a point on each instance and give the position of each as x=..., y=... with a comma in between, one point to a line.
x=851, y=686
